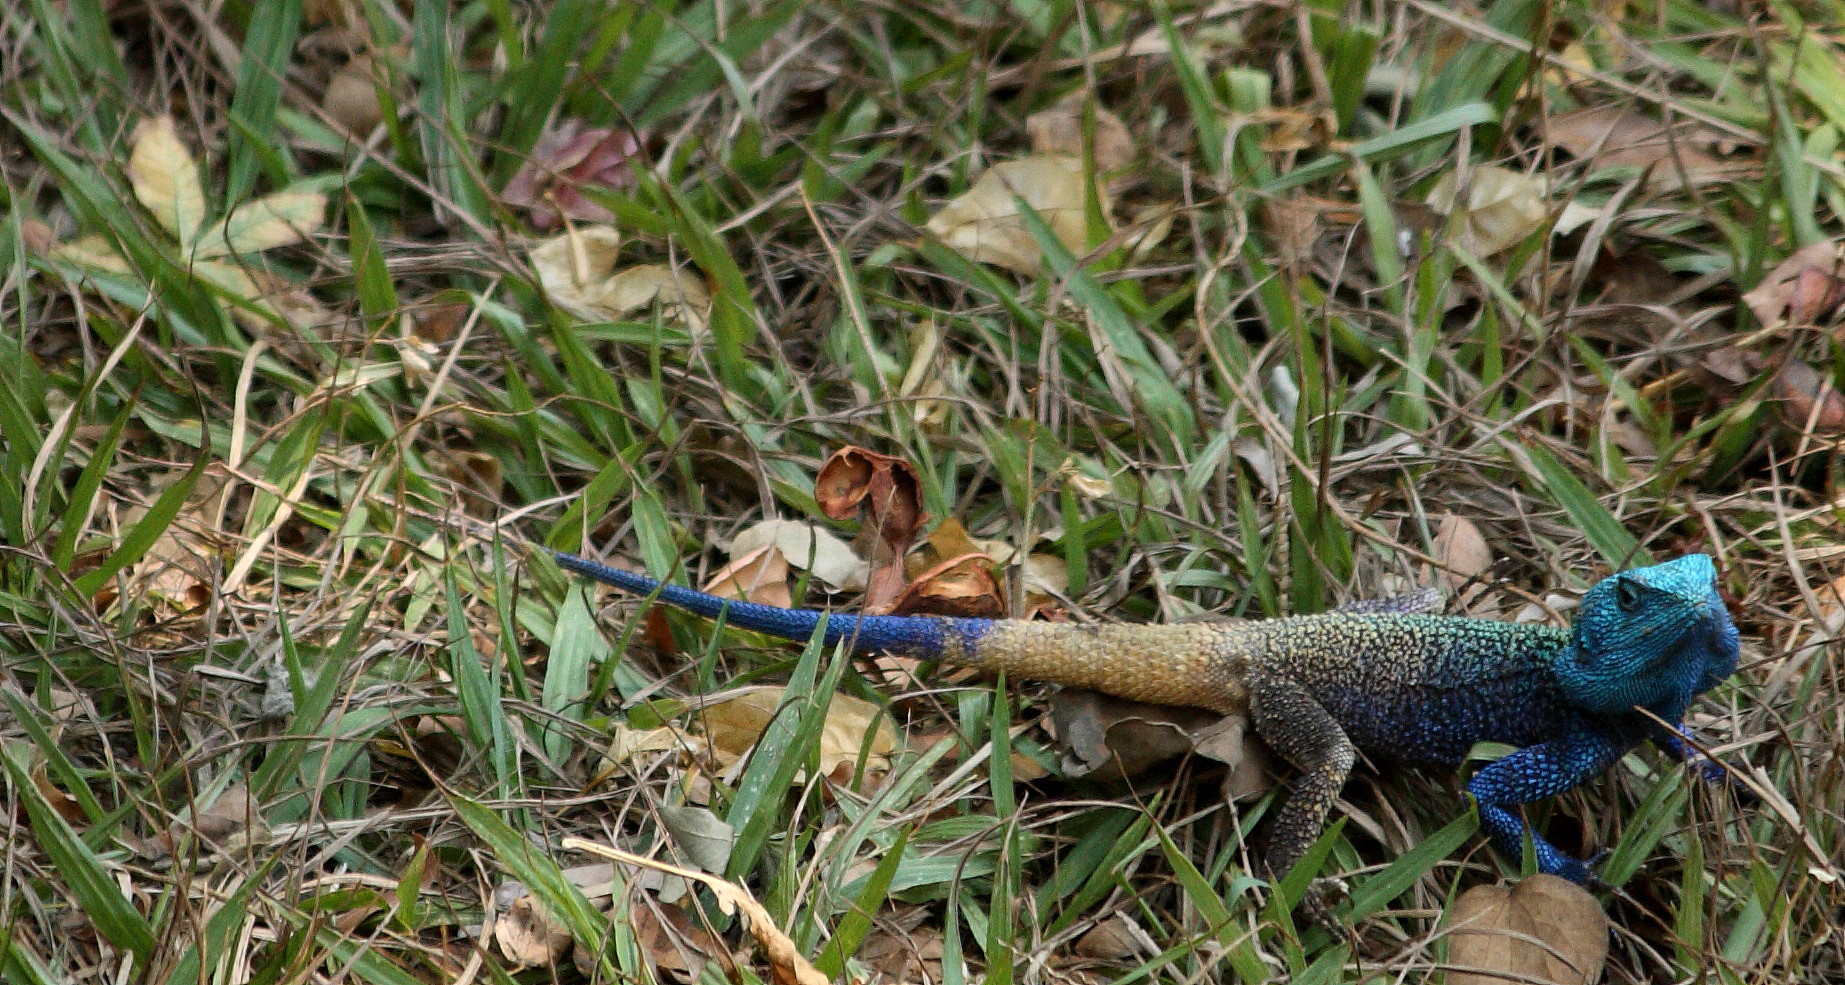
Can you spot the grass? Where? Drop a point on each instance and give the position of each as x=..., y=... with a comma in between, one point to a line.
x=263, y=508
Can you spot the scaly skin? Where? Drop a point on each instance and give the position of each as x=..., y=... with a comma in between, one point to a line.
x=1402, y=686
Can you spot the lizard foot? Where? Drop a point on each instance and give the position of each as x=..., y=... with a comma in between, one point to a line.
x=1318, y=902
x=1582, y=872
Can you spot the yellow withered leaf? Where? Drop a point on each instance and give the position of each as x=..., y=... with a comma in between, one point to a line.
x=986, y=226
x=282, y=219
x=166, y=179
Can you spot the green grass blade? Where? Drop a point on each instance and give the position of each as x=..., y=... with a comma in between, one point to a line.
x=144, y=533
x=88, y=880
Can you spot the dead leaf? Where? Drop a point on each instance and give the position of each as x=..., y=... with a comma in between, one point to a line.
x=1117, y=739
x=1611, y=137
x=1545, y=929
x=1290, y=130
x=961, y=586
x=1089, y=486
x=528, y=936
x=888, y=485
x=575, y=266
x=1807, y=400
x=1293, y=227
x=911, y=952
x=734, y=725
x=674, y=944
x=165, y=178
x=1115, y=938
x=232, y=822
x=630, y=745
x=565, y=162
x=1148, y=227
x=760, y=576
x=1633, y=278
x=1232, y=742
x=53, y=795
x=786, y=964
x=1462, y=556
x=985, y=225
x=1501, y=209
x=808, y=548
x=1831, y=597
x=680, y=296
x=852, y=475
x=1804, y=288
x=1059, y=130
x=282, y=219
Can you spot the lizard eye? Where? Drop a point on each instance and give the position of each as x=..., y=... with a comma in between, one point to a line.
x=1627, y=596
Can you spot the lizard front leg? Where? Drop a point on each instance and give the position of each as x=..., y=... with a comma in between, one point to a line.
x=1533, y=773
x=1305, y=734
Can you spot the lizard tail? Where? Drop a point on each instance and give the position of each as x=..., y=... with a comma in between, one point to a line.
x=920, y=636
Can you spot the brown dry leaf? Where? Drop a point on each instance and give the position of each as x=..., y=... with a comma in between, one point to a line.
x=808, y=548
x=1116, y=938
x=911, y=953
x=680, y=296
x=1831, y=597
x=985, y=225
x=1148, y=227
x=54, y=796
x=351, y=99
x=528, y=936
x=232, y=822
x=786, y=964
x=179, y=570
x=566, y=161
x=1804, y=288
x=1292, y=130
x=1807, y=400
x=1231, y=741
x=734, y=725
x=1121, y=739
x=1059, y=130
x=950, y=539
x=1612, y=137
x=888, y=485
x=1462, y=554
x=852, y=475
x=954, y=576
x=674, y=944
x=759, y=576
x=165, y=178
x=1545, y=929
x=1632, y=278
x=961, y=586
x=1501, y=209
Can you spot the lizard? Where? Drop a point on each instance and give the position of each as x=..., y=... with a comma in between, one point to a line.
x=1404, y=687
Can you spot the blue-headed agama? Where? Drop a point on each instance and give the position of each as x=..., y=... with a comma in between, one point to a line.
x=1404, y=687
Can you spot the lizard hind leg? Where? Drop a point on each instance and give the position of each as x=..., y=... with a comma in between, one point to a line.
x=1305, y=734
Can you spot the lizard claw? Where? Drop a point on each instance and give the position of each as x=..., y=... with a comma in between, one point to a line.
x=1583, y=872
x=1318, y=902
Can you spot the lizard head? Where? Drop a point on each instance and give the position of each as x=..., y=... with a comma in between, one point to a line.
x=1653, y=637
